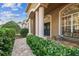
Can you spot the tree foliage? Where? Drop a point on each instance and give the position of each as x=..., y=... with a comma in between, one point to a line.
x=12, y=24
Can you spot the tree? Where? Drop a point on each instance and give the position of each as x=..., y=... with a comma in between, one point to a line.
x=12, y=24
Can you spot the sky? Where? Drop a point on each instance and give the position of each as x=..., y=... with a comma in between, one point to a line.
x=12, y=11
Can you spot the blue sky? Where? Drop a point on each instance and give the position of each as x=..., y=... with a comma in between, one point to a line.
x=12, y=11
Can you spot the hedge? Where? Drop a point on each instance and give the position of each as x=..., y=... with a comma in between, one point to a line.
x=24, y=32
x=41, y=47
x=7, y=37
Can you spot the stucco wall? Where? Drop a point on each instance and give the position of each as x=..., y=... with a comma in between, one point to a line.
x=55, y=21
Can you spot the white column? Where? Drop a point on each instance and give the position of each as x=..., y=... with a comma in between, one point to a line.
x=51, y=32
x=59, y=25
x=41, y=21
x=29, y=26
x=37, y=23
x=71, y=24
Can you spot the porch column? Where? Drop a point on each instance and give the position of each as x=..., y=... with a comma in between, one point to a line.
x=37, y=23
x=29, y=26
x=51, y=32
x=71, y=25
x=59, y=30
x=41, y=21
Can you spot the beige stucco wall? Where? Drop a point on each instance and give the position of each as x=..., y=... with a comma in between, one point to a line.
x=55, y=21
x=46, y=19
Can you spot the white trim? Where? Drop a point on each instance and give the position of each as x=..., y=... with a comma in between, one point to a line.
x=29, y=26
x=37, y=23
x=72, y=23
x=70, y=14
x=64, y=7
x=59, y=27
x=50, y=26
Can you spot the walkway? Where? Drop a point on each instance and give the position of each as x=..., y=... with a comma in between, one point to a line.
x=21, y=48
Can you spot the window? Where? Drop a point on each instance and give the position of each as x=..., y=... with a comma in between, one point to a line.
x=70, y=25
x=76, y=25
x=66, y=26
x=70, y=20
x=47, y=29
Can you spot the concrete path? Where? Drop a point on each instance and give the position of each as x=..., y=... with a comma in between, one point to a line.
x=21, y=48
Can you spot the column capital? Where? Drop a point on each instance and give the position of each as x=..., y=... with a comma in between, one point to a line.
x=44, y=5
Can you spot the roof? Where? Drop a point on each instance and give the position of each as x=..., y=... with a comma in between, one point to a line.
x=29, y=4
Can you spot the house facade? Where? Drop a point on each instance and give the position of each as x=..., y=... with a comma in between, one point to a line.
x=53, y=19
x=23, y=24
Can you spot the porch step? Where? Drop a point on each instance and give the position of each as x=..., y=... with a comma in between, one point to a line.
x=47, y=37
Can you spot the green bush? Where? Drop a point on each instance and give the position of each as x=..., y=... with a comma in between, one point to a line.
x=7, y=37
x=24, y=32
x=41, y=47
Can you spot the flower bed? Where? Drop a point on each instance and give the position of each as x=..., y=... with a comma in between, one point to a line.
x=7, y=37
x=41, y=47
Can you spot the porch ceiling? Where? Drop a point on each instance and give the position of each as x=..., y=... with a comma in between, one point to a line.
x=53, y=6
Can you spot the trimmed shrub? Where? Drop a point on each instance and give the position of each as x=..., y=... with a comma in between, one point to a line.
x=7, y=37
x=41, y=47
x=24, y=32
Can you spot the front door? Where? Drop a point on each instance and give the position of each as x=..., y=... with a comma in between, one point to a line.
x=47, y=29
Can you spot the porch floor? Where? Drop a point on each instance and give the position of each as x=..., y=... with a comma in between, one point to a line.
x=68, y=44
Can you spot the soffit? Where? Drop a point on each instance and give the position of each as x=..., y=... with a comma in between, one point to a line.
x=52, y=6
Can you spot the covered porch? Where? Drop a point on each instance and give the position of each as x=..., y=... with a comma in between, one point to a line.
x=44, y=21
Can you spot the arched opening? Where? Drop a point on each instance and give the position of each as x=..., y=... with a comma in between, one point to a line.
x=70, y=21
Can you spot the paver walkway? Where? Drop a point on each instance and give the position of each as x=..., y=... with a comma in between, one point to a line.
x=21, y=48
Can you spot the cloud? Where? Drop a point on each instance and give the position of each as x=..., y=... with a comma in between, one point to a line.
x=15, y=9
x=8, y=16
x=19, y=4
x=13, y=13
x=13, y=6
x=8, y=5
